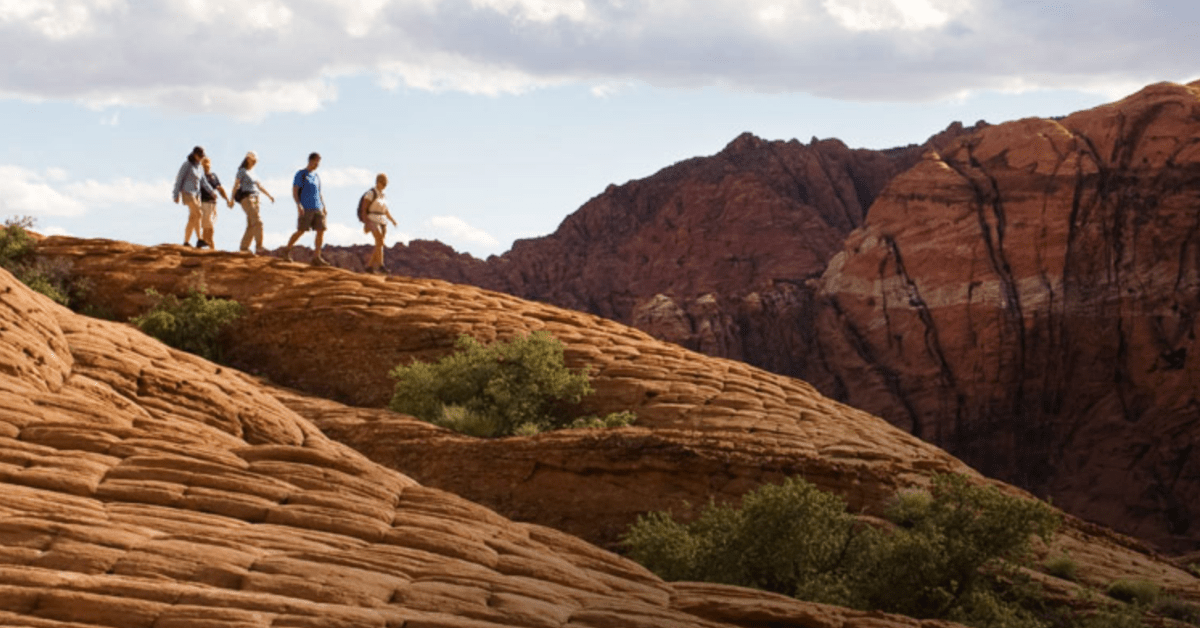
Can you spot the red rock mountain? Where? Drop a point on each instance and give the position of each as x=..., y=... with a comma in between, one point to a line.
x=1028, y=299
x=1025, y=296
x=711, y=253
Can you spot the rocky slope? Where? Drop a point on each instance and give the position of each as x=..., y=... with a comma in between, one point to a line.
x=1025, y=297
x=145, y=488
x=1028, y=299
x=710, y=253
x=708, y=427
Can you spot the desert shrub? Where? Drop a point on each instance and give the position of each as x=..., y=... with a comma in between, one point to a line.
x=1139, y=592
x=1062, y=567
x=949, y=552
x=1178, y=609
x=948, y=555
x=517, y=387
x=193, y=324
x=49, y=276
x=791, y=538
x=610, y=420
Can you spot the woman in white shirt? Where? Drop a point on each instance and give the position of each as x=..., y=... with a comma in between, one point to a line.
x=373, y=211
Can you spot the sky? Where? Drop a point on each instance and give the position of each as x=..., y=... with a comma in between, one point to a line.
x=496, y=119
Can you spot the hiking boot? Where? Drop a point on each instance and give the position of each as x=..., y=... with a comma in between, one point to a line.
x=287, y=254
x=317, y=260
x=201, y=244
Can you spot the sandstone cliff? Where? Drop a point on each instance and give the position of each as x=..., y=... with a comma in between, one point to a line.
x=141, y=487
x=708, y=427
x=1028, y=299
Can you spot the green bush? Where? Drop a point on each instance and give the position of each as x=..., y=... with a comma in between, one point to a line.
x=790, y=538
x=1178, y=610
x=1062, y=567
x=193, y=324
x=1139, y=592
x=517, y=387
x=613, y=419
x=949, y=554
x=51, y=277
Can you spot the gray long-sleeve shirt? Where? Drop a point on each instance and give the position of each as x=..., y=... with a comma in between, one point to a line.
x=190, y=180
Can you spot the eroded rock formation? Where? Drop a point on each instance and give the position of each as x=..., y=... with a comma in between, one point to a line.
x=707, y=428
x=141, y=487
x=1028, y=299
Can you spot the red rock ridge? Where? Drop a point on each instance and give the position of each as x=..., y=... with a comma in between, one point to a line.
x=710, y=253
x=1028, y=299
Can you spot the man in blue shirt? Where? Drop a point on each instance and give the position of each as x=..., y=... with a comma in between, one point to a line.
x=310, y=205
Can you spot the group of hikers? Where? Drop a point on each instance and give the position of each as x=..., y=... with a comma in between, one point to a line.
x=197, y=187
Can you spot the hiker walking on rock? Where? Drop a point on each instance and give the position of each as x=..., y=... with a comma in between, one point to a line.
x=310, y=205
x=188, y=184
x=373, y=212
x=208, y=204
x=246, y=187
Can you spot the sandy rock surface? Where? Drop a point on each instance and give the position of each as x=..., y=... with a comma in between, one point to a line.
x=707, y=428
x=141, y=487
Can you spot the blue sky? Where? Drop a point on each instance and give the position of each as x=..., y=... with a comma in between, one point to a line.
x=495, y=119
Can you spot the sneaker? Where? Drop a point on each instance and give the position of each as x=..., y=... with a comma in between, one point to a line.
x=287, y=254
x=317, y=260
x=246, y=252
x=260, y=251
x=186, y=243
x=201, y=244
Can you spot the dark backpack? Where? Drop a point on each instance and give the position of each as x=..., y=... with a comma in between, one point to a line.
x=364, y=204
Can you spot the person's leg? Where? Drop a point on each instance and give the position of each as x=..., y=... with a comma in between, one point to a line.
x=317, y=259
x=193, y=224
x=303, y=223
x=382, y=233
x=258, y=228
x=318, y=224
x=253, y=223
x=375, y=258
x=208, y=214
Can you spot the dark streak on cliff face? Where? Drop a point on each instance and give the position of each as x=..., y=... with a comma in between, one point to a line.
x=1070, y=329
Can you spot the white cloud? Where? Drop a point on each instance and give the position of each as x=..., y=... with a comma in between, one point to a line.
x=27, y=193
x=54, y=230
x=122, y=191
x=251, y=58
x=347, y=176
x=885, y=15
x=456, y=229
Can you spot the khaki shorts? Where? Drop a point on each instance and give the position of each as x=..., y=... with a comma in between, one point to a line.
x=314, y=219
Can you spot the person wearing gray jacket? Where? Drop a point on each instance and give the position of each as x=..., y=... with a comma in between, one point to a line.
x=188, y=184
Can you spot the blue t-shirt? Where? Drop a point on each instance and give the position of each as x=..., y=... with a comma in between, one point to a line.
x=310, y=189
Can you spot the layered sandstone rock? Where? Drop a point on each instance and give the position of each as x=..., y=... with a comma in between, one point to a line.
x=141, y=487
x=707, y=428
x=1028, y=299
